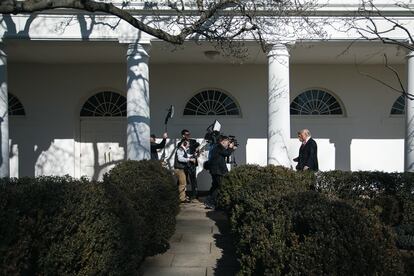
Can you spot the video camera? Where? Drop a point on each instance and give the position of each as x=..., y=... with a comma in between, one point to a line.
x=212, y=137
x=233, y=140
x=213, y=134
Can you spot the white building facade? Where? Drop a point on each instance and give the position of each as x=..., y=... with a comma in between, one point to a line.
x=82, y=96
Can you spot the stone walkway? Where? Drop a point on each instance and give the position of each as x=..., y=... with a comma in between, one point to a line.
x=201, y=246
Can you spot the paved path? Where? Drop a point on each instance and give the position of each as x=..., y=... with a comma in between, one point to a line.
x=201, y=246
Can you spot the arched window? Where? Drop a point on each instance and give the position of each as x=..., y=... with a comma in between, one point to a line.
x=316, y=102
x=104, y=104
x=398, y=108
x=15, y=106
x=211, y=103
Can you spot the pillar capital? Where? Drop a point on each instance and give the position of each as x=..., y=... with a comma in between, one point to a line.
x=140, y=50
x=279, y=49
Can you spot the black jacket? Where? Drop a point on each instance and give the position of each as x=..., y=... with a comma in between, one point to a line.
x=308, y=156
x=155, y=147
x=217, y=160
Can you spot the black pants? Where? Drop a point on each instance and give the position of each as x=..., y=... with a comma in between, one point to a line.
x=216, y=182
x=192, y=179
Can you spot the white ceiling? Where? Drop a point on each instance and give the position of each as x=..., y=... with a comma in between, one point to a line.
x=328, y=52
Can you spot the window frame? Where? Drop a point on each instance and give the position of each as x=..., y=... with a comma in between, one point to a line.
x=328, y=92
x=18, y=102
x=99, y=103
x=222, y=92
x=392, y=107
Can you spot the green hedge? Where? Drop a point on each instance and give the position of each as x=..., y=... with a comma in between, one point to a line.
x=282, y=227
x=154, y=196
x=64, y=226
x=256, y=179
x=390, y=195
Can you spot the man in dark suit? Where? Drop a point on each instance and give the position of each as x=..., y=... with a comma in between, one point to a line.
x=308, y=152
x=217, y=165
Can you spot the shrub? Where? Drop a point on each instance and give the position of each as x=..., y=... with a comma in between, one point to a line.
x=153, y=194
x=309, y=234
x=390, y=195
x=64, y=226
x=282, y=227
x=253, y=178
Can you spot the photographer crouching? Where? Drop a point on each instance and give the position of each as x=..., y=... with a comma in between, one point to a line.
x=217, y=166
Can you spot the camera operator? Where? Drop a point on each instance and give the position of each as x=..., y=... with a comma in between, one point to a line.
x=192, y=167
x=182, y=160
x=217, y=166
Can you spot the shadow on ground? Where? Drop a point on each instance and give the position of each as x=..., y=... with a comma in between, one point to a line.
x=224, y=241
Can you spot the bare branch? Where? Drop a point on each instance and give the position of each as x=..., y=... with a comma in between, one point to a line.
x=401, y=88
x=369, y=11
x=218, y=21
x=397, y=76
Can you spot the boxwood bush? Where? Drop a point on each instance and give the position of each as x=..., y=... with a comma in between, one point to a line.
x=64, y=226
x=282, y=227
x=253, y=178
x=154, y=197
x=390, y=195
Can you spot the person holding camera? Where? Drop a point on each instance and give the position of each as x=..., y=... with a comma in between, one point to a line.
x=192, y=167
x=181, y=163
x=217, y=166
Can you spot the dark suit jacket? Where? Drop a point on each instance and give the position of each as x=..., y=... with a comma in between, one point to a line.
x=155, y=147
x=217, y=160
x=308, y=156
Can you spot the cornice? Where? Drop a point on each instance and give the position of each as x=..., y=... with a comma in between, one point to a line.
x=324, y=8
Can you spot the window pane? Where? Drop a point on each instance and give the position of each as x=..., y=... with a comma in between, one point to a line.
x=211, y=102
x=315, y=102
x=398, y=108
x=105, y=104
x=15, y=106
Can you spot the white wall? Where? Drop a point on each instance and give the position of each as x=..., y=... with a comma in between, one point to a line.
x=256, y=152
x=47, y=138
x=52, y=96
x=367, y=103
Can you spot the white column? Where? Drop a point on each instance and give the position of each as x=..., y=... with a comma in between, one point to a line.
x=409, y=117
x=279, y=103
x=138, y=104
x=4, y=117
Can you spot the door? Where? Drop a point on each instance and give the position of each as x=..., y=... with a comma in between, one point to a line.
x=103, y=145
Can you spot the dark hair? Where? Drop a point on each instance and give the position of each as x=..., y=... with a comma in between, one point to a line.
x=223, y=137
x=153, y=136
x=184, y=131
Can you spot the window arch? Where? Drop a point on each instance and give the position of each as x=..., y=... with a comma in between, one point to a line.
x=398, y=108
x=316, y=102
x=212, y=102
x=15, y=106
x=104, y=104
